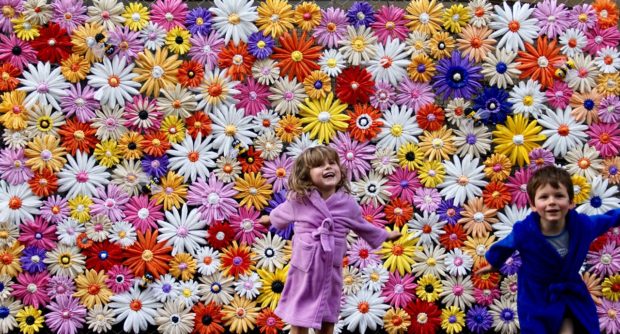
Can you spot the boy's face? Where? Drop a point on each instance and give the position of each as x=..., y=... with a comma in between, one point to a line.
x=551, y=203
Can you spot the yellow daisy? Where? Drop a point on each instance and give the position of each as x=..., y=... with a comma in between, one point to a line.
x=307, y=15
x=92, y=289
x=84, y=42
x=107, y=153
x=240, y=315
x=438, y=145
x=441, y=45
x=398, y=254
x=80, y=208
x=11, y=264
x=581, y=188
x=609, y=84
x=497, y=167
x=424, y=16
x=429, y=287
x=289, y=128
x=171, y=192
x=317, y=85
x=324, y=117
x=455, y=18
x=610, y=288
x=477, y=247
x=275, y=17
x=174, y=128
x=517, y=138
x=273, y=285
x=45, y=153
x=421, y=68
x=452, y=319
x=75, y=68
x=177, y=40
x=13, y=110
x=183, y=266
x=136, y=16
x=25, y=29
x=410, y=156
x=396, y=321
x=30, y=320
x=156, y=71
x=431, y=173
x=254, y=190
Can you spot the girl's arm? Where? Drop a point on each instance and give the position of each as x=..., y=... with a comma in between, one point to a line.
x=281, y=216
x=374, y=235
x=500, y=251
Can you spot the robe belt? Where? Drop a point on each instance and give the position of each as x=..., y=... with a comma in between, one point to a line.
x=557, y=290
x=324, y=234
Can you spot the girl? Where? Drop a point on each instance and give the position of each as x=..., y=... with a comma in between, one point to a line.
x=323, y=211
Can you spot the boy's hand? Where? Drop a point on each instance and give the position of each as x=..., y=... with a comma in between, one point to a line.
x=264, y=220
x=394, y=235
x=485, y=270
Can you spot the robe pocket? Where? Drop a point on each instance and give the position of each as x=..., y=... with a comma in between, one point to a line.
x=302, y=259
x=339, y=249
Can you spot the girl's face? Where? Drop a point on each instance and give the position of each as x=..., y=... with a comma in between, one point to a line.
x=326, y=177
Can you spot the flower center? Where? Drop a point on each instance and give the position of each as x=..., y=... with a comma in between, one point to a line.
x=514, y=26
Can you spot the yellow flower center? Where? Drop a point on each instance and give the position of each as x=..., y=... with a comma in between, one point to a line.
x=396, y=130
x=234, y=18
x=332, y=62
x=187, y=292
x=297, y=56
x=230, y=130
x=147, y=255
x=200, y=21
x=528, y=100
x=358, y=44
x=261, y=44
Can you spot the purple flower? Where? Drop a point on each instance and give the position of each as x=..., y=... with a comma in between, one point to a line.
x=278, y=199
x=69, y=14
x=582, y=17
x=259, y=45
x=609, y=109
x=457, y=77
x=540, y=157
x=426, y=199
x=384, y=95
x=414, y=95
x=67, y=315
x=449, y=212
x=198, y=21
x=128, y=43
x=32, y=259
x=81, y=102
x=214, y=199
x=511, y=266
x=361, y=14
x=5, y=20
x=13, y=167
x=155, y=166
x=55, y=209
x=478, y=319
x=17, y=52
x=362, y=255
x=332, y=28
x=277, y=171
x=355, y=156
x=206, y=49
x=403, y=183
x=60, y=286
x=110, y=203
x=552, y=19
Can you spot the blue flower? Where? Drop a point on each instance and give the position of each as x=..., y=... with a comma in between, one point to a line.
x=478, y=319
x=198, y=21
x=32, y=259
x=278, y=199
x=155, y=167
x=361, y=14
x=449, y=212
x=457, y=77
x=492, y=106
x=260, y=46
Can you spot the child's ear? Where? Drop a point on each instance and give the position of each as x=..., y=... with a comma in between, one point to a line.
x=532, y=206
x=572, y=205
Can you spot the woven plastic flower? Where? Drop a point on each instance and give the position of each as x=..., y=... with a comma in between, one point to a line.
x=517, y=138
x=113, y=78
x=148, y=255
x=363, y=311
x=514, y=26
x=323, y=117
x=234, y=19
x=463, y=179
x=538, y=62
x=457, y=76
x=297, y=56
x=156, y=71
x=398, y=254
x=253, y=190
x=275, y=17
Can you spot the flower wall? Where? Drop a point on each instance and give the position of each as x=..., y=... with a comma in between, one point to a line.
x=142, y=142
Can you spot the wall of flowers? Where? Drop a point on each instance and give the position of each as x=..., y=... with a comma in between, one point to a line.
x=142, y=142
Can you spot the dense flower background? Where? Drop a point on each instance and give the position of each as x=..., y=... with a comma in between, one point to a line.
x=141, y=143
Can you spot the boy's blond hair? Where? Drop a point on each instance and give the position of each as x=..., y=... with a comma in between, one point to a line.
x=300, y=183
x=553, y=176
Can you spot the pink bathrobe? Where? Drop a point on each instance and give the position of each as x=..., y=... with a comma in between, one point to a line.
x=313, y=288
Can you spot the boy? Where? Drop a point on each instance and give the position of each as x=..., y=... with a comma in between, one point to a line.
x=553, y=242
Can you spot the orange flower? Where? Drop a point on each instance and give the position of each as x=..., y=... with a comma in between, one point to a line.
x=364, y=122
x=208, y=318
x=236, y=260
x=44, y=183
x=398, y=212
x=297, y=56
x=8, y=77
x=78, y=136
x=198, y=123
x=538, y=63
x=289, y=128
x=430, y=117
x=477, y=218
x=454, y=237
x=496, y=195
x=250, y=161
x=191, y=73
x=607, y=13
x=486, y=281
x=148, y=255
x=155, y=144
x=475, y=42
x=83, y=242
x=237, y=60
x=268, y=322
x=497, y=167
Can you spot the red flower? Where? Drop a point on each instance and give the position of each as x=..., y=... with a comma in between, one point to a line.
x=598, y=243
x=78, y=136
x=250, y=160
x=430, y=117
x=538, y=62
x=148, y=255
x=44, y=183
x=198, y=123
x=454, y=237
x=297, y=56
x=236, y=260
x=425, y=317
x=364, y=124
x=354, y=85
x=8, y=77
x=236, y=60
x=208, y=318
x=268, y=322
x=220, y=235
x=103, y=256
x=53, y=44
x=191, y=73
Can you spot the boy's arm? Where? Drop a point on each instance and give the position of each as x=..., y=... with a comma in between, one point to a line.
x=282, y=215
x=602, y=223
x=501, y=251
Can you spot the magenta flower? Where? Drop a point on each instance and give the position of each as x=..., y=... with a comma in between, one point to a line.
x=604, y=137
x=142, y=114
x=374, y=215
x=609, y=109
x=517, y=185
x=31, y=289
x=206, y=49
x=110, y=203
x=169, y=13
x=69, y=14
x=360, y=254
x=599, y=38
x=60, y=286
x=128, y=43
x=559, y=95
x=583, y=17
x=414, y=95
x=426, y=199
x=277, y=171
x=384, y=95
x=403, y=183
x=332, y=29
x=67, y=315
x=81, y=102
x=485, y=297
x=13, y=167
x=246, y=225
x=39, y=233
x=553, y=19
x=355, y=156
x=55, y=209
x=120, y=279
x=17, y=52
x=213, y=198
x=399, y=291
x=390, y=22
x=142, y=213
x=605, y=261
x=253, y=96
x=540, y=157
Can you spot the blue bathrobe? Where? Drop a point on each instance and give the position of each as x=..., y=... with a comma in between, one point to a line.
x=548, y=284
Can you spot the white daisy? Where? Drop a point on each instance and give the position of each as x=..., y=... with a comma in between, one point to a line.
x=175, y=318
x=217, y=91
x=9, y=233
x=100, y=318
x=130, y=177
x=208, y=260
x=153, y=36
x=359, y=46
x=113, y=81
x=572, y=41
x=300, y=144
x=419, y=43
x=265, y=121
x=455, y=111
x=505, y=316
x=385, y=161
x=481, y=11
x=165, y=288
x=458, y=263
x=107, y=13
x=248, y=286
x=68, y=230
x=135, y=308
x=37, y=11
x=184, y=232
x=123, y=233
x=231, y=125
x=188, y=293
x=514, y=26
x=427, y=228
x=352, y=280
x=192, y=157
x=563, y=132
x=67, y=261
x=82, y=175
x=371, y=188
x=463, y=179
x=234, y=19
x=364, y=310
x=216, y=288
x=265, y=71
x=608, y=60
x=177, y=100
x=44, y=120
x=109, y=122
x=332, y=62
x=43, y=85
x=507, y=218
x=269, y=144
x=583, y=77
x=374, y=277
x=15, y=139
x=390, y=62
x=458, y=291
x=268, y=252
x=399, y=127
x=526, y=98
x=429, y=260
x=509, y=287
x=602, y=198
x=287, y=95
x=585, y=161
x=18, y=203
x=471, y=140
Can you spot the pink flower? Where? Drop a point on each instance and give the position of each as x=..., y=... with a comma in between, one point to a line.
x=609, y=109
x=605, y=261
x=32, y=288
x=13, y=167
x=67, y=315
x=399, y=291
x=553, y=19
x=374, y=215
x=60, y=286
x=110, y=203
x=403, y=183
x=39, y=233
x=604, y=137
x=355, y=156
x=517, y=185
x=246, y=225
x=383, y=97
x=608, y=316
x=206, y=49
x=332, y=28
x=277, y=171
x=362, y=255
x=414, y=95
x=169, y=13
x=427, y=199
x=142, y=213
x=17, y=52
x=559, y=95
x=254, y=97
x=390, y=22
x=120, y=279
x=485, y=297
x=213, y=198
x=576, y=14
x=599, y=38
x=141, y=114
x=55, y=209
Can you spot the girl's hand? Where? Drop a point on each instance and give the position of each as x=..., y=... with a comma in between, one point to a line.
x=264, y=220
x=485, y=270
x=394, y=235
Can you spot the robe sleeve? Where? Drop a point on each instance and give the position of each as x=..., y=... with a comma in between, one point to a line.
x=282, y=215
x=602, y=223
x=372, y=234
x=501, y=251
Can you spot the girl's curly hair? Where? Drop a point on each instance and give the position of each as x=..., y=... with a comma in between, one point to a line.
x=300, y=183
